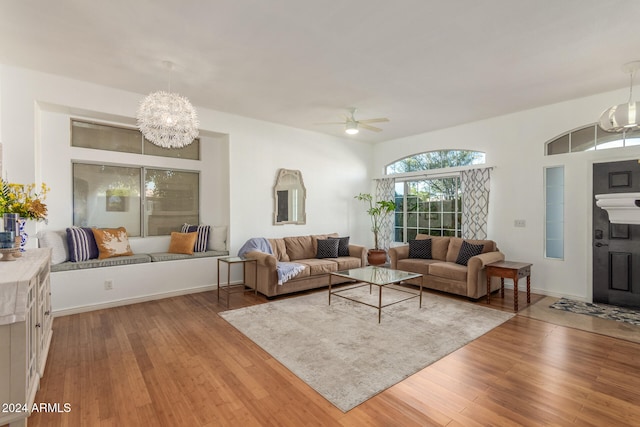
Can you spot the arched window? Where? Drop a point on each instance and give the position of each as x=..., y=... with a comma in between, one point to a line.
x=437, y=159
x=589, y=138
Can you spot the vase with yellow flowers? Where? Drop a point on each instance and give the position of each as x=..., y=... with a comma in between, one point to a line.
x=19, y=203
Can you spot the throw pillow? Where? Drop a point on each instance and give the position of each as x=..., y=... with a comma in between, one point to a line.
x=218, y=238
x=112, y=242
x=57, y=241
x=82, y=244
x=420, y=249
x=327, y=248
x=183, y=243
x=467, y=250
x=343, y=245
x=202, y=240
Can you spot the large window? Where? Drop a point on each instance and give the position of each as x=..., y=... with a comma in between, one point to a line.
x=111, y=196
x=146, y=201
x=428, y=206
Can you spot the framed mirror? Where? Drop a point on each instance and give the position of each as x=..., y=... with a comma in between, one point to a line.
x=289, y=197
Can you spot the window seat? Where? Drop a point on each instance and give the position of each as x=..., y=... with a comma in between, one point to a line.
x=132, y=259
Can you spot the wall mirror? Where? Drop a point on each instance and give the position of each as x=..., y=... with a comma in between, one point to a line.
x=289, y=197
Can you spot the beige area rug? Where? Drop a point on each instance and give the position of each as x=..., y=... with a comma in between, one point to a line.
x=542, y=311
x=341, y=350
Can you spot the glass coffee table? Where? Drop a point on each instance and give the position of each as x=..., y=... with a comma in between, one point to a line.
x=376, y=276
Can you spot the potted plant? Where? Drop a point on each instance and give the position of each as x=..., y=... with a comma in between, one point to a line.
x=378, y=212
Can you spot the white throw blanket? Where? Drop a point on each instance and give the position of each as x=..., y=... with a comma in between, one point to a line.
x=286, y=270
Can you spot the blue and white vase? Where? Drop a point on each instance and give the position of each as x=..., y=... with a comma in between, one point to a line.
x=22, y=230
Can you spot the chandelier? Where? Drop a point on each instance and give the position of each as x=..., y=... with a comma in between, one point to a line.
x=167, y=119
x=623, y=117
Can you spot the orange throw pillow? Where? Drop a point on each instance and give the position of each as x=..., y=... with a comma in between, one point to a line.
x=182, y=243
x=112, y=242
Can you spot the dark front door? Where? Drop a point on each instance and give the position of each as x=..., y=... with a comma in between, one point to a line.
x=616, y=247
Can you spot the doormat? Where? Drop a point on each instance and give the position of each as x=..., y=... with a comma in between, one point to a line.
x=603, y=311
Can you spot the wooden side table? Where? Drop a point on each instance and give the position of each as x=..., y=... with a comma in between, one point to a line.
x=509, y=270
x=240, y=286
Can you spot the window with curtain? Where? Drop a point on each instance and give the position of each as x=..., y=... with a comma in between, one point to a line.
x=430, y=205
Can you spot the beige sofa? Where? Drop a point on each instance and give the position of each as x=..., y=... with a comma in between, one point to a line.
x=302, y=250
x=442, y=273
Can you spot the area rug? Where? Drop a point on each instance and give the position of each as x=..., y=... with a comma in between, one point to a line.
x=602, y=311
x=341, y=350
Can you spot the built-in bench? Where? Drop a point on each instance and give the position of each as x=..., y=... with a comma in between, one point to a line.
x=132, y=259
x=147, y=275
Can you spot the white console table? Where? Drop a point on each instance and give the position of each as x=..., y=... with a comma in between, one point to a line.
x=25, y=331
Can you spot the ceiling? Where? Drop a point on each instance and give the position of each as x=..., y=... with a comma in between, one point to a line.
x=423, y=64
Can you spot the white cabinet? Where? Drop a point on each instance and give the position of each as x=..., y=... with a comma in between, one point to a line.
x=25, y=332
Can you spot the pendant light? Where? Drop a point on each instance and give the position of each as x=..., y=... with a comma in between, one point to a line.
x=167, y=119
x=624, y=117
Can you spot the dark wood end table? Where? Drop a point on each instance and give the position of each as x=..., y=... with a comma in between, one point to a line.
x=509, y=270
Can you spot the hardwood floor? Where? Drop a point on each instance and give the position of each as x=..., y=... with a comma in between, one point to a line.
x=175, y=362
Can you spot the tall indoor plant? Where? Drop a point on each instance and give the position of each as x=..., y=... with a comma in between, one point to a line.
x=378, y=212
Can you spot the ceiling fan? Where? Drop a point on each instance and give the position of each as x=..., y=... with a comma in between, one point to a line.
x=352, y=126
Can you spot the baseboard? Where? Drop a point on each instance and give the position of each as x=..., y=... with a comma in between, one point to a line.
x=135, y=300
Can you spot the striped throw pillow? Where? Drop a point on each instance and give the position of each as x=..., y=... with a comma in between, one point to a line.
x=203, y=235
x=82, y=244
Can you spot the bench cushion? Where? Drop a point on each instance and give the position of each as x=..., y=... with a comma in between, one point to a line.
x=166, y=256
x=97, y=263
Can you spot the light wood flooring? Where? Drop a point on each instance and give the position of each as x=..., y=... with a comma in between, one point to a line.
x=175, y=362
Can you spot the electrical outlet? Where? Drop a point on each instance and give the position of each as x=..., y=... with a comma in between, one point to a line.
x=520, y=223
x=108, y=285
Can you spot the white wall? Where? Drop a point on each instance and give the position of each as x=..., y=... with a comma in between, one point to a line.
x=33, y=107
x=515, y=147
x=238, y=171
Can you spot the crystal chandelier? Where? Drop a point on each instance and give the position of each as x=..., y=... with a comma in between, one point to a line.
x=167, y=119
x=623, y=117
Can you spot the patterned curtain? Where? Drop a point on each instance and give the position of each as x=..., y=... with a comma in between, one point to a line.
x=386, y=190
x=475, y=203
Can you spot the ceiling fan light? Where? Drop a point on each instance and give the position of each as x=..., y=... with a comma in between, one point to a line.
x=351, y=128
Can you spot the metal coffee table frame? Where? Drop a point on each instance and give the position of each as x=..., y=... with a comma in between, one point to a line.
x=380, y=277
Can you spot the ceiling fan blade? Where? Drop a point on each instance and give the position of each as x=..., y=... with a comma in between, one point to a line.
x=369, y=127
x=378, y=120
